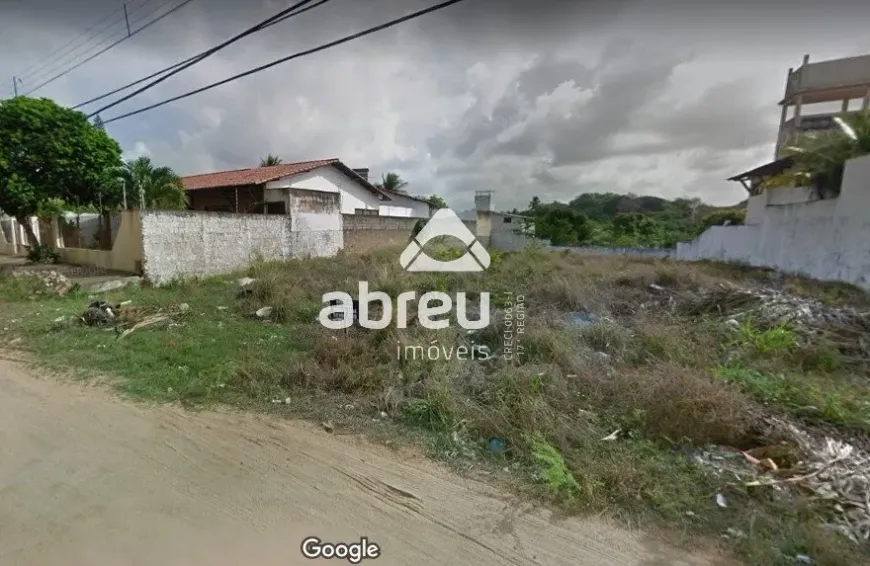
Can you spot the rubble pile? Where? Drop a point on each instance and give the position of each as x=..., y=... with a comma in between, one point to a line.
x=839, y=473
x=53, y=281
x=843, y=328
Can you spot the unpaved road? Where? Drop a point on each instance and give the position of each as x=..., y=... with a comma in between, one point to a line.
x=88, y=479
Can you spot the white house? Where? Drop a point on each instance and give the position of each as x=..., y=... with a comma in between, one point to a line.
x=267, y=190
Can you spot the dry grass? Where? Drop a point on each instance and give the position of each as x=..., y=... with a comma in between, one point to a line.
x=646, y=369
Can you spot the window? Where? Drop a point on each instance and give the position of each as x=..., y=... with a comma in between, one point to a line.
x=365, y=212
x=276, y=208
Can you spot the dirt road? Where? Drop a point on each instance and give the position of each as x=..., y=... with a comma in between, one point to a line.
x=89, y=479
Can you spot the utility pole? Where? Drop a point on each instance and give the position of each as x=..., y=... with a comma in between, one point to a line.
x=127, y=19
x=141, y=197
x=15, y=85
x=124, y=192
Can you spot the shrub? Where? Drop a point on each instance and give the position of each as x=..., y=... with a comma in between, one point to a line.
x=43, y=254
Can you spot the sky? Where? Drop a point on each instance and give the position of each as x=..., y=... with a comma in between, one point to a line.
x=547, y=98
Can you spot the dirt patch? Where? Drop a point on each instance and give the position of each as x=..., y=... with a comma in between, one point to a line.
x=88, y=479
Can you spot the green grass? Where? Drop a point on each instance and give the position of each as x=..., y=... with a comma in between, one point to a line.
x=838, y=403
x=196, y=362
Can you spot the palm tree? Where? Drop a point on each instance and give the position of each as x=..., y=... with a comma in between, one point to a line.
x=393, y=183
x=270, y=160
x=160, y=186
x=818, y=160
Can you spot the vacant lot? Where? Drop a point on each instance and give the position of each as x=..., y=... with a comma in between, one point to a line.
x=705, y=399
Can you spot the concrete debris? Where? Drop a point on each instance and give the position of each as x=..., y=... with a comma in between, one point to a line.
x=836, y=472
x=54, y=282
x=246, y=286
x=844, y=328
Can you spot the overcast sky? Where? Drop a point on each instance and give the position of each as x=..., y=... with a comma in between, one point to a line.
x=537, y=97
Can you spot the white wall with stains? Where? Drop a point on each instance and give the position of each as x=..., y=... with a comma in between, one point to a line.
x=825, y=239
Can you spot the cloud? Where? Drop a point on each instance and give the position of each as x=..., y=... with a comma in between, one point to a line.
x=550, y=98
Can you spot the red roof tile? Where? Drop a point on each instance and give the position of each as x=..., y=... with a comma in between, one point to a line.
x=252, y=176
x=261, y=175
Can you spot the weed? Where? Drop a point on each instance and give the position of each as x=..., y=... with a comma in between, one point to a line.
x=552, y=470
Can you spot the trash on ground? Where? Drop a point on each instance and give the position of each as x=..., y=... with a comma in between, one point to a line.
x=496, y=445
x=613, y=435
x=582, y=319
x=720, y=500
x=328, y=427
x=99, y=313
x=148, y=322
x=836, y=472
x=264, y=312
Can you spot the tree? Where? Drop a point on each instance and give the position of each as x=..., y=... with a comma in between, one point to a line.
x=535, y=203
x=270, y=160
x=561, y=225
x=436, y=202
x=393, y=183
x=98, y=123
x=162, y=188
x=727, y=217
x=50, y=152
x=819, y=159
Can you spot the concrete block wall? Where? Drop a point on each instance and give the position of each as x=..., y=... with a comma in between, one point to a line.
x=177, y=244
x=363, y=233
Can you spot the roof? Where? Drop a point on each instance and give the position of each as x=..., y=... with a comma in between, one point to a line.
x=394, y=193
x=262, y=175
x=766, y=170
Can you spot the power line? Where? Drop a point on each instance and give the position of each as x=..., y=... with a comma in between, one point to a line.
x=323, y=47
x=189, y=59
x=68, y=52
x=51, y=56
x=114, y=44
x=288, y=12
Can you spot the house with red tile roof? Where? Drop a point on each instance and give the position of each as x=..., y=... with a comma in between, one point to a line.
x=268, y=190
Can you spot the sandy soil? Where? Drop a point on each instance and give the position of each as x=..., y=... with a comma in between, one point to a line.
x=90, y=479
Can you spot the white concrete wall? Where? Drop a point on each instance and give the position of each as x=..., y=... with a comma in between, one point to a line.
x=330, y=179
x=789, y=195
x=178, y=244
x=755, y=208
x=316, y=226
x=404, y=207
x=825, y=239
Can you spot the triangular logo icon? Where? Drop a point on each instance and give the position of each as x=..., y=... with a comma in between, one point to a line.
x=444, y=222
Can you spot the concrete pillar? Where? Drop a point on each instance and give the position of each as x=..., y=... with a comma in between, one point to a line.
x=56, y=234
x=797, y=111
x=866, y=103
x=34, y=223
x=14, y=228
x=845, y=107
